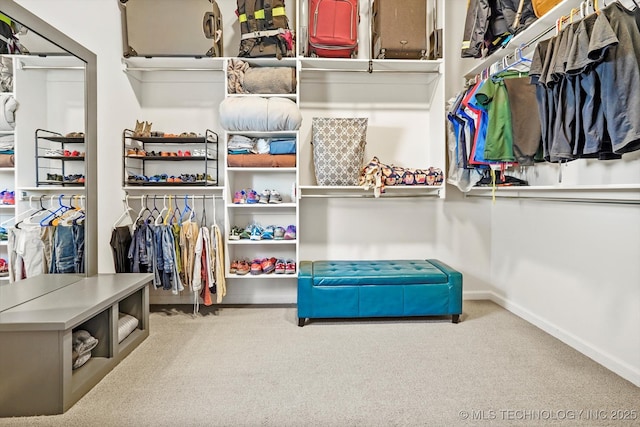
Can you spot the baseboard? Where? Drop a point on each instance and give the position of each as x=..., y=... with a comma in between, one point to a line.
x=610, y=362
x=476, y=295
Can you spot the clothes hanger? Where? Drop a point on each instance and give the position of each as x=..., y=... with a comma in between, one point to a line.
x=169, y=212
x=176, y=213
x=59, y=213
x=187, y=208
x=151, y=217
x=124, y=219
x=193, y=213
x=159, y=218
x=24, y=214
x=203, y=222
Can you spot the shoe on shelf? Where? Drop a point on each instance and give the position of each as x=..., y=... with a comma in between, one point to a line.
x=267, y=233
x=252, y=197
x=264, y=197
x=235, y=233
x=233, y=269
x=290, y=267
x=243, y=268
x=290, y=233
x=9, y=198
x=246, y=233
x=281, y=266
x=240, y=197
x=256, y=232
x=268, y=265
x=256, y=267
x=278, y=233
x=275, y=197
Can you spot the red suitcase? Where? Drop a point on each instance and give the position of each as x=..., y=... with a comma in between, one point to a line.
x=333, y=28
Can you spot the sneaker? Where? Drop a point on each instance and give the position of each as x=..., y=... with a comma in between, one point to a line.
x=256, y=267
x=252, y=197
x=281, y=266
x=235, y=233
x=240, y=197
x=256, y=232
x=278, y=233
x=246, y=233
x=9, y=198
x=268, y=265
x=267, y=233
x=290, y=234
x=265, y=197
x=290, y=267
x=275, y=197
x=243, y=267
x=233, y=269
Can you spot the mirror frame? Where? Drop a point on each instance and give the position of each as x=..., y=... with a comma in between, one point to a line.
x=45, y=30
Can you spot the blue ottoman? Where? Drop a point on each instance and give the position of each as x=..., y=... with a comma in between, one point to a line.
x=387, y=288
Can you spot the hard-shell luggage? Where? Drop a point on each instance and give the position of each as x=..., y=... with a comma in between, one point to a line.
x=333, y=28
x=264, y=26
x=171, y=28
x=400, y=29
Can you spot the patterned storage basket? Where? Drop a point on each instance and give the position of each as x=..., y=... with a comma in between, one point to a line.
x=338, y=149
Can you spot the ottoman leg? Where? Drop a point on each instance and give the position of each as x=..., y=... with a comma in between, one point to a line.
x=455, y=318
x=301, y=321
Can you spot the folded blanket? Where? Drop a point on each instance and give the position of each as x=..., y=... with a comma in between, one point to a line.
x=126, y=324
x=244, y=78
x=261, y=160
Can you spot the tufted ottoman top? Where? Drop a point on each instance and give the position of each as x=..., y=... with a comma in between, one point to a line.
x=385, y=272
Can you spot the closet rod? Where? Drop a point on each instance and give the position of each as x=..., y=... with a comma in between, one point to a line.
x=561, y=199
x=181, y=196
x=170, y=69
x=350, y=70
x=368, y=196
x=42, y=67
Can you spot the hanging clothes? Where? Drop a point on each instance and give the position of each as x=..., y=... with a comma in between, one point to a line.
x=120, y=242
x=221, y=285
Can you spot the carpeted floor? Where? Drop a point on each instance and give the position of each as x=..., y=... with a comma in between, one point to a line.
x=256, y=367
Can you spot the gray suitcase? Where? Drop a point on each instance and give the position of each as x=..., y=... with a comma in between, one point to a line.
x=171, y=28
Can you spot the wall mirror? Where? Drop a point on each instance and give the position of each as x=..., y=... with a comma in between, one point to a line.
x=52, y=175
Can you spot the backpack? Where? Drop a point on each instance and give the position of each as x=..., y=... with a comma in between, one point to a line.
x=265, y=29
x=8, y=40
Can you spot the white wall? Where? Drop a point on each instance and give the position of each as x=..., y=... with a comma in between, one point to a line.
x=572, y=269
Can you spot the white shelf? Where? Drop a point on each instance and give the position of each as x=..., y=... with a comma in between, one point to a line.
x=262, y=242
x=624, y=194
x=49, y=62
x=7, y=170
x=7, y=207
x=261, y=205
x=173, y=64
x=373, y=66
x=359, y=192
x=265, y=169
x=52, y=189
x=540, y=26
x=173, y=189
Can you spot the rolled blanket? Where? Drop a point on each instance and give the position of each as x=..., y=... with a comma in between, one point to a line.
x=235, y=75
x=259, y=114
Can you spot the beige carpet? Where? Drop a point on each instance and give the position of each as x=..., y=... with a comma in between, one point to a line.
x=256, y=367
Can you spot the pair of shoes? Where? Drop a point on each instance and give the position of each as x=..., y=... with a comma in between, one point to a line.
x=142, y=129
x=54, y=177
x=270, y=196
x=243, y=196
x=74, y=153
x=54, y=153
x=134, y=152
x=75, y=135
x=290, y=232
